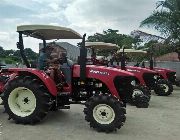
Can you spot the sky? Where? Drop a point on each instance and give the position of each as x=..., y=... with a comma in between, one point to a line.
x=84, y=16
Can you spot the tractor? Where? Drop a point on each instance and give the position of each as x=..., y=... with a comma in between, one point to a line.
x=165, y=74
x=166, y=78
x=28, y=94
x=146, y=79
x=138, y=94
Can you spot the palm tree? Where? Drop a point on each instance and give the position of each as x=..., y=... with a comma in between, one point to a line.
x=166, y=19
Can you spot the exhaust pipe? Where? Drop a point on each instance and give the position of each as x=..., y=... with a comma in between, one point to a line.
x=151, y=62
x=82, y=59
x=123, y=64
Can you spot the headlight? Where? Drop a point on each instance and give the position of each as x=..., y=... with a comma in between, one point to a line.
x=155, y=77
x=133, y=83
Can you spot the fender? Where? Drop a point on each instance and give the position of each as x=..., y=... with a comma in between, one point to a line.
x=10, y=76
x=48, y=82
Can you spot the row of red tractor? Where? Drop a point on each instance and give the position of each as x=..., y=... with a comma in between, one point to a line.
x=28, y=94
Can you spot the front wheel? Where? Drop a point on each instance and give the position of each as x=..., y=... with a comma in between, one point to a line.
x=177, y=83
x=104, y=113
x=164, y=88
x=26, y=100
x=140, y=96
x=1, y=101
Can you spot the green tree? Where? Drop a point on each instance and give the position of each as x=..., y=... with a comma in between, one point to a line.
x=13, y=56
x=166, y=19
x=112, y=36
x=31, y=55
x=1, y=51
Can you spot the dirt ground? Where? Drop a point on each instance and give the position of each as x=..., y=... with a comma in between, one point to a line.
x=161, y=121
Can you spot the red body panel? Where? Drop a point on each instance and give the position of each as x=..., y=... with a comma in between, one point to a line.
x=49, y=83
x=138, y=72
x=1, y=87
x=104, y=74
x=8, y=74
x=162, y=71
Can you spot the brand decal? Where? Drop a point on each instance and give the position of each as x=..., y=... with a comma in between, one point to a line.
x=130, y=70
x=99, y=72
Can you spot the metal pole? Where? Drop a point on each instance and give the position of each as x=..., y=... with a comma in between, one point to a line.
x=83, y=56
x=20, y=46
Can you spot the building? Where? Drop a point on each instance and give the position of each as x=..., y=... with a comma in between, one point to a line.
x=72, y=51
x=168, y=57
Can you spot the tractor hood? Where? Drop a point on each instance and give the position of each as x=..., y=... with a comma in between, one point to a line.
x=101, y=71
x=139, y=69
x=163, y=69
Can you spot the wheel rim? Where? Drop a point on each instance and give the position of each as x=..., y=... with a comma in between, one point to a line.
x=1, y=101
x=137, y=92
x=165, y=87
x=22, y=101
x=103, y=114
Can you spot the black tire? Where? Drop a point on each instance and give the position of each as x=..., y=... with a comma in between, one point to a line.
x=114, y=104
x=40, y=93
x=1, y=101
x=177, y=83
x=160, y=88
x=140, y=96
x=53, y=106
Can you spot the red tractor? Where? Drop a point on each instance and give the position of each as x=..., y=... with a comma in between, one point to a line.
x=166, y=77
x=167, y=74
x=139, y=94
x=29, y=94
x=145, y=78
x=152, y=78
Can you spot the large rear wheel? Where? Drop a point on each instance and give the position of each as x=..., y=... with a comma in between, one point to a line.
x=105, y=113
x=26, y=100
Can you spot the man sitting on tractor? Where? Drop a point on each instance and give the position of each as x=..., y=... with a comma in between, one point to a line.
x=51, y=58
x=44, y=55
x=55, y=59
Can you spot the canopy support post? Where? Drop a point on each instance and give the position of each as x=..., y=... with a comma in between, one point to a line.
x=20, y=46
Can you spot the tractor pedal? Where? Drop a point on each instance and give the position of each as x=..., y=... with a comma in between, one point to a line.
x=64, y=107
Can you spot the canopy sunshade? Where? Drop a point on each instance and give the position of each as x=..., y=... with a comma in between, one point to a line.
x=48, y=32
x=101, y=45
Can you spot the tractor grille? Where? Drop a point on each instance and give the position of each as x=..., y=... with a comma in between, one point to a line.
x=149, y=80
x=123, y=86
x=171, y=76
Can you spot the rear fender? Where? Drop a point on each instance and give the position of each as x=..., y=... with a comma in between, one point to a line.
x=3, y=83
x=42, y=76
